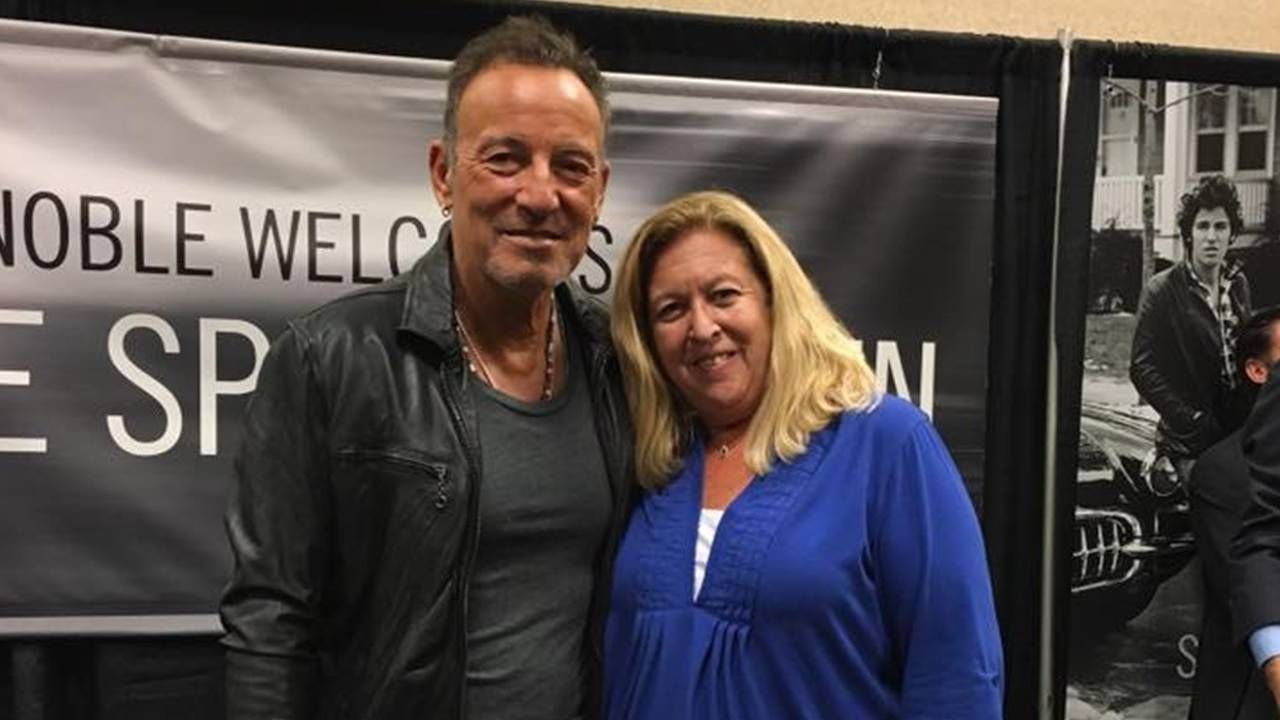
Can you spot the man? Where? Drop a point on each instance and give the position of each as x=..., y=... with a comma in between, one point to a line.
x=1182, y=360
x=1255, y=596
x=1228, y=685
x=434, y=471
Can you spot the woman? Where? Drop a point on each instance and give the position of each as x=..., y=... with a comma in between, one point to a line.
x=805, y=547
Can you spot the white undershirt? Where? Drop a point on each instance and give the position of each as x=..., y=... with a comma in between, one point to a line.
x=708, y=523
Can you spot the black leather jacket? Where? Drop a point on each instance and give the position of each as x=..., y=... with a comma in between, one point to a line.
x=354, y=519
x=1176, y=362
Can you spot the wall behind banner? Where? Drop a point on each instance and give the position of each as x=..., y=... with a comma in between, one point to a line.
x=1239, y=25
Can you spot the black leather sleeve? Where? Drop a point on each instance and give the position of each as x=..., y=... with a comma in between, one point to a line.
x=1255, y=593
x=1153, y=344
x=267, y=687
x=277, y=525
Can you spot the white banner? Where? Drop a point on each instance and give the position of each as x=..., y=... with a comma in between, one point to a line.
x=167, y=203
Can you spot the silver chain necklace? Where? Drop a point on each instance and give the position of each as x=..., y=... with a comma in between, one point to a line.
x=479, y=369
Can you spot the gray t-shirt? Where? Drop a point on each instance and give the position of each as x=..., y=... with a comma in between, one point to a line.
x=544, y=513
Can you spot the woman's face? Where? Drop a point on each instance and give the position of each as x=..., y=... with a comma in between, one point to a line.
x=709, y=315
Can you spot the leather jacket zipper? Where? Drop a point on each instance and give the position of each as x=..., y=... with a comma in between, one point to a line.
x=472, y=543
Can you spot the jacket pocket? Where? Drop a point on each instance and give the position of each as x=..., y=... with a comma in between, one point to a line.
x=394, y=474
x=397, y=523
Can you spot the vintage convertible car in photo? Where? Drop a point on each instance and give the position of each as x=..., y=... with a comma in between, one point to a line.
x=1132, y=520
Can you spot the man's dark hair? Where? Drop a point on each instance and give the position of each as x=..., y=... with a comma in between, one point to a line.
x=1211, y=192
x=1253, y=339
x=523, y=40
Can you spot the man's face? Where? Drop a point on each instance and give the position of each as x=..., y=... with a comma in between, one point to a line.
x=528, y=177
x=1210, y=237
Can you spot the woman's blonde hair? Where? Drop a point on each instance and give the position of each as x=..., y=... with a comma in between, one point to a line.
x=816, y=368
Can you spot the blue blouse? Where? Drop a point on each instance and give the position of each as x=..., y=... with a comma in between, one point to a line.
x=848, y=583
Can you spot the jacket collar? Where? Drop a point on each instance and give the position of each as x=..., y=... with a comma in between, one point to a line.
x=1230, y=270
x=428, y=300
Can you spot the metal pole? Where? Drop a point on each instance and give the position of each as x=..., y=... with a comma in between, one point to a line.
x=1049, y=560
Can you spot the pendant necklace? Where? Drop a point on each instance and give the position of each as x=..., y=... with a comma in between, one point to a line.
x=722, y=450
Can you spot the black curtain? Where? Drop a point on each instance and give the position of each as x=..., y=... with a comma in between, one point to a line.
x=1023, y=74
x=1091, y=62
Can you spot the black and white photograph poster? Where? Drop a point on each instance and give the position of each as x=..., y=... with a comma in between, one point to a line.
x=1183, y=249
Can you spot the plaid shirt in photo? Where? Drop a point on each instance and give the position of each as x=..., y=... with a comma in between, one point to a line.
x=1226, y=312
